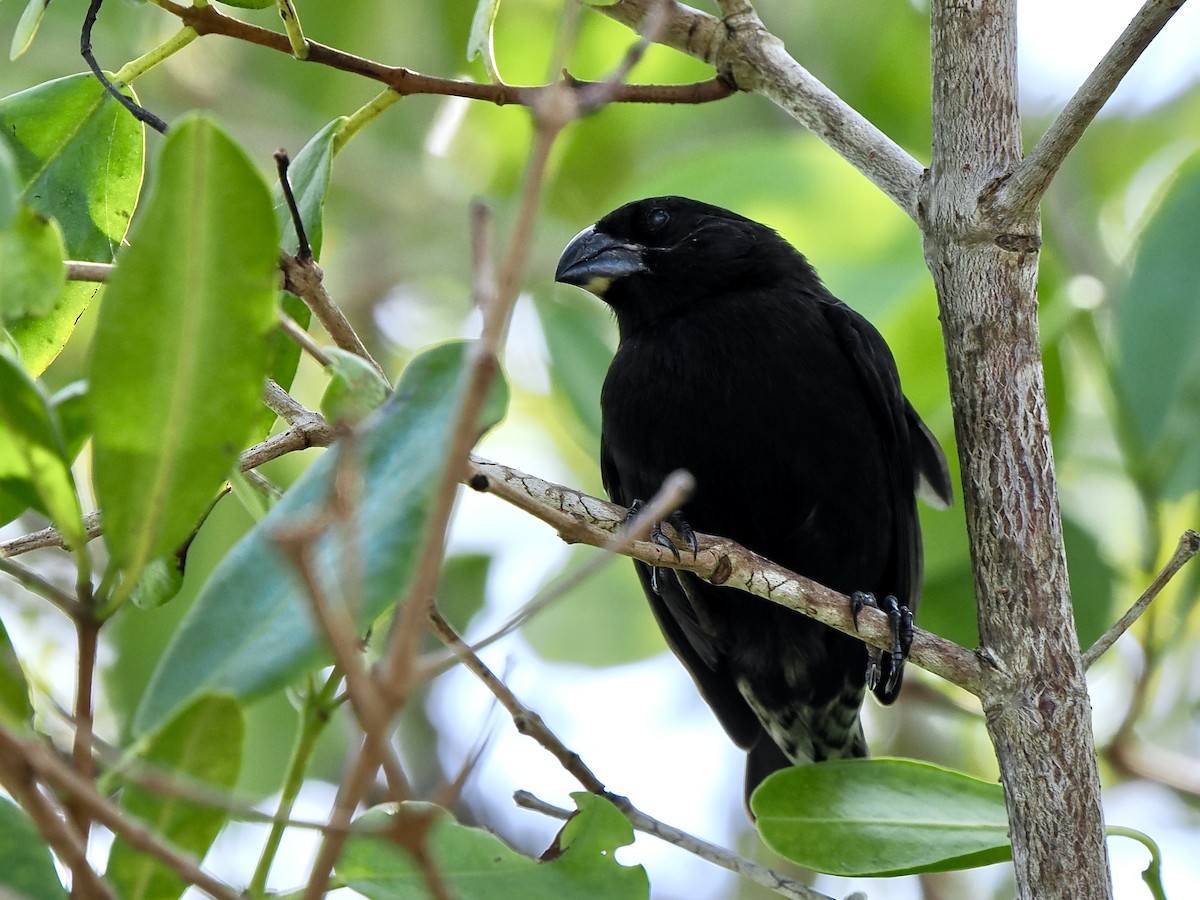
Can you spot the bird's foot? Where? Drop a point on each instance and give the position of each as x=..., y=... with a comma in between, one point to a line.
x=900, y=619
x=658, y=536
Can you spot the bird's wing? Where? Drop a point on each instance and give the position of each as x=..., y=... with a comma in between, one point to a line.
x=917, y=455
x=676, y=608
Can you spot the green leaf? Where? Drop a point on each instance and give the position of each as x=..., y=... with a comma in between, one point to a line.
x=79, y=159
x=27, y=27
x=26, y=866
x=309, y=175
x=32, y=429
x=355, y=389
x=476, y=864
x=579, y=360
x=203, y=745
x=32, y=252
x=16, y=709
x=249, y=4
x=1092, y=580
x=479, y=42
x=159, y=582
x=180, y=354
x=70, y=405
x=10, y=189
x=250, y=631
x=882, y=816
x=1158, y=329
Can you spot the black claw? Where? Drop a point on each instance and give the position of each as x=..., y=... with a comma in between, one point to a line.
x=685, y=531
x=900, y=620
x=660, y=538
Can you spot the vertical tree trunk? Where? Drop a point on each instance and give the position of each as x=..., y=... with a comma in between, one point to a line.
x=1037, y=706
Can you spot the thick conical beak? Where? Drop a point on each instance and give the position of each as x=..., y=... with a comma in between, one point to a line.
x=594, y=260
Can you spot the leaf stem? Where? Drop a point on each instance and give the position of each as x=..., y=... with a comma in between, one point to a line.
x=318, y=704
x=361, y=116
x=147, y=61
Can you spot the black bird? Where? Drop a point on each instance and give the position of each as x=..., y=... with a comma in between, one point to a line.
x=735, y=363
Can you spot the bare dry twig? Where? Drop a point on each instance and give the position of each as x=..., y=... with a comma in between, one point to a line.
x=1188, y=546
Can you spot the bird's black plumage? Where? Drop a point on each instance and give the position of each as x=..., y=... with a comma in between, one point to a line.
x=735, y=363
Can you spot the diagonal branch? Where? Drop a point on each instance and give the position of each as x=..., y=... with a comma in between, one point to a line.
x=1017, y=197
x=580, y=518
x=753, y=59
x=1189, y=545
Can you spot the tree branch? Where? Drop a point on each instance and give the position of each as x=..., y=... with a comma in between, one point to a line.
x=206, y=20
x=580, y=518
x=753, y=59
x=1017, y=197
x=1188, y=546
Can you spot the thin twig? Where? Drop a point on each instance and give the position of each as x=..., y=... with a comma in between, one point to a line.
x=85, y=48
x=292, y=329
x=303, y=248
x=673, y=493
x=1018, y=195
x=527, y=721
x=54, y=772
x=82, y=270
x=1188, y=546
x=304, y=278
x=35, y=583
x=17, y=777
x=739, y=865
x=207, y=20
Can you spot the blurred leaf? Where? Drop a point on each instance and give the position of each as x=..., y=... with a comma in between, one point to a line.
x=248, y=4
x=160, y=580
x=16, y=709
x=602, y=621
x=32, y=250
x=355, y=389
x=180, y=352
x=27, y=27
x=308, y=175
x=251, y=630
x=202, y=745
x=462, y=588
x=1158, y=330
x=79, y=158
x=480, y=43
x=579, y=361
x=70, y=405
x=875, y=817
x=30, y=427
x=1092, y=580
x=476, y=864
x=26, y=866
x=10, y=188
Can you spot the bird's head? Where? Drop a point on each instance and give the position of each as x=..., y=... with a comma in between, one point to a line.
x=664, y=255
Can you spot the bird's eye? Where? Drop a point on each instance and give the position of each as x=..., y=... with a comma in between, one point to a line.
x=657, y=219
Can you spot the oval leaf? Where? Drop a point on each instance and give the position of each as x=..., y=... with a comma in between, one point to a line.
x=1158, y=329
x=32, y=253
x=180, y=356
x=251, y=629
x=870, y=817
x=79, y=158
x=476, y=864
x=202, y=745
x=33, y=431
